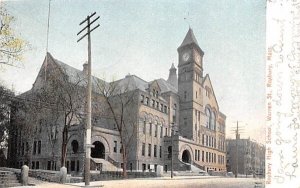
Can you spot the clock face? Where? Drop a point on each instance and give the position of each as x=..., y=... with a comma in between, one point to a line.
x=185, y=56
x=197, y=58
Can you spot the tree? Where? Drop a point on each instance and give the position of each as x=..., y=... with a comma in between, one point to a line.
x=121, y=105
x=5, y=102
x=64, y=94
x=12, y=47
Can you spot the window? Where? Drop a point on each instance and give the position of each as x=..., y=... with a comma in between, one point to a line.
x=121, y=148
x=144, y=127
x=74, y=145
x=34, y=147
x=147, y=101
x=203, y=139
x=27, y=147
x=143, y=149
x=115, y=146
x=196, y=94
x=207, y=113
x=72, y=165
x=77, y=167
x=153, y=92
x=157, y=105
x=156, y=129
x=149, y=150
x=37, y=165
x=213, y=121
x=160, y=151
x=169, y=152
x=156, y=94
x=161, y=107
x=39, y=147
x=165, y=109
x=161, y=131
x=185, y=122
x=150, y=128
x=32, y=164
x=144, y=167
x=142, y=98
x=196, y=155
x=155, y=150
x=166, y=133
x=153, y=103
x=174, y=113
x=49, y=165
x=206, y=157
x=185, y=95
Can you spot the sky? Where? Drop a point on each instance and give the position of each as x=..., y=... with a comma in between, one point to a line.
x=142, y=37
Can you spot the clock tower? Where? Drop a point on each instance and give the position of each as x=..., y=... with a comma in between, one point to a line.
x=190, y=76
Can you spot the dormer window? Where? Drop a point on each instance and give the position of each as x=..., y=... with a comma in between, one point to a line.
x=156, y=94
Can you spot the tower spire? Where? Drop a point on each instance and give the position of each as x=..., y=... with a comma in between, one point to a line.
x=173, y=76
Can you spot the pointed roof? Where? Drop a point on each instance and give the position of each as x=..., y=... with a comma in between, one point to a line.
x=189, y=38
x=172, y=66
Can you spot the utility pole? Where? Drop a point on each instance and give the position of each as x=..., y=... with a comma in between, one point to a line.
x=88, y=134
x=172, y=134
x=237, y=149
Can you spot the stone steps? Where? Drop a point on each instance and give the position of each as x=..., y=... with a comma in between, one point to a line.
x=8, y=179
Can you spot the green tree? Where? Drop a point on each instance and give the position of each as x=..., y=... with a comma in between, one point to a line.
x=12, y=46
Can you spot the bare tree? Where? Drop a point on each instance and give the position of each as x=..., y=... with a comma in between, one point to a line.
x=5, y=105
x=121, y=107
x=65, y=94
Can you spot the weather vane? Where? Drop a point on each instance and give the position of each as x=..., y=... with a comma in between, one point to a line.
x=187, y=19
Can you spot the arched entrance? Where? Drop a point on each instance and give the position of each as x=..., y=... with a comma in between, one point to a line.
x=186, y=157
x=98, y=151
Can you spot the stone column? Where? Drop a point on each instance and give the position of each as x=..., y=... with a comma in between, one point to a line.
x=24, y=175
x=63, y=175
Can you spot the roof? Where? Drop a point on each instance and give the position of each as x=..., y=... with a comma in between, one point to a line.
x=165, y=86
x=76, y=76
x=131, y=82
x=190, y=39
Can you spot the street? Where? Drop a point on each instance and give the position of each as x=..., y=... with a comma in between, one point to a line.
x=178, y=182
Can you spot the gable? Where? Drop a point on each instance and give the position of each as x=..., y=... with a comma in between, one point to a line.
x=154, y=88
x=209, y=93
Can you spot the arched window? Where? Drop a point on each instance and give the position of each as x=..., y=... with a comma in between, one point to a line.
x=208, y=117
x=74, y=145
x=213, y=121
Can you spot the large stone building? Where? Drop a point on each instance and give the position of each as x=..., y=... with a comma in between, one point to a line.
x=185, y=107
x=245, y=156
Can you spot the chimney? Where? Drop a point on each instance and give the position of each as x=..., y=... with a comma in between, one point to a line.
x=85, y=68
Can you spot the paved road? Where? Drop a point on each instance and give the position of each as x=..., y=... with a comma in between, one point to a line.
x=177, y=182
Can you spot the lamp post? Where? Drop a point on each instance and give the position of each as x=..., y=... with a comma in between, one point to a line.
x=172, y=134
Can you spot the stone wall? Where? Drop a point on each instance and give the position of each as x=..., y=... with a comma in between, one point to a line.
x=108, y=175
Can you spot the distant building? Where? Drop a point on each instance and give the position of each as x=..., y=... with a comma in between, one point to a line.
x=187, y=102
x=249, y=155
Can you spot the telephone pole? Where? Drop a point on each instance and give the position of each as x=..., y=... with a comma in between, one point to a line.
x=88, y=133
x=237, y=149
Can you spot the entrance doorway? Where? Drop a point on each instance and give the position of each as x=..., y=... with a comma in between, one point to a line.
x=98, y=151
x=186, y=157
